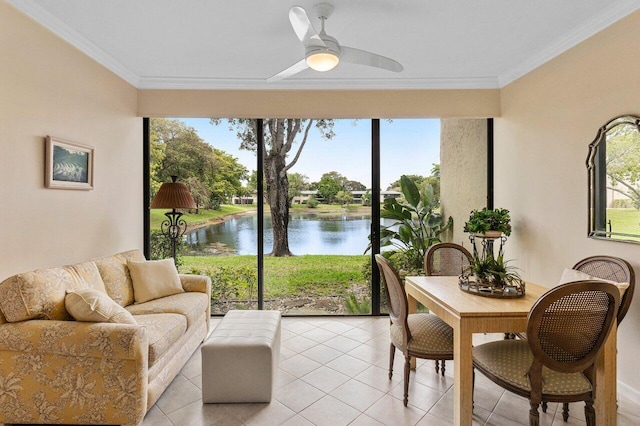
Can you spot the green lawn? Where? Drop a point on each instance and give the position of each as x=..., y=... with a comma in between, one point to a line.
x=203, y=216
x=308, y=275
x=625, y=221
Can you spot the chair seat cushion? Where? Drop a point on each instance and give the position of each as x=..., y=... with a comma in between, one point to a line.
x=430, y=335
x=510, y=360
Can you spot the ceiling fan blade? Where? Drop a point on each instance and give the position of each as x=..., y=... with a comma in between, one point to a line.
x=362, y=57
x=303, y=28
x=292, y=70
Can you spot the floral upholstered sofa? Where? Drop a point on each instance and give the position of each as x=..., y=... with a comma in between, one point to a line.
x=58, y=367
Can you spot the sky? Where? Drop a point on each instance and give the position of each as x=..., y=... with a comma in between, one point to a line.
x=407, y=146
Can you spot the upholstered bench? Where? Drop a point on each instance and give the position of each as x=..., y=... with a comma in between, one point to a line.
x=240, y=358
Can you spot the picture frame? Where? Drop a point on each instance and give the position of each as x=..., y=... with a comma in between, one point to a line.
x=69, y=165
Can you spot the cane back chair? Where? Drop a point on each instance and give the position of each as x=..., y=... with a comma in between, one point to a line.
x=417, y=335
x=446, y=259
x=566, y=328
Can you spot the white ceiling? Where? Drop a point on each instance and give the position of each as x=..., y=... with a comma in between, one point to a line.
x=238, y=44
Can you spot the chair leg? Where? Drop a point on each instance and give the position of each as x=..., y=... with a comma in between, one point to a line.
x=544, y=406
x=534, y=416
x=589, y=413
x=565, y=411
x=437, y=367
x=443, y=368
x=392, y=355
x=407, y=370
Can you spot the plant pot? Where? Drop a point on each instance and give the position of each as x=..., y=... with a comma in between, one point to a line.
x=489, y=235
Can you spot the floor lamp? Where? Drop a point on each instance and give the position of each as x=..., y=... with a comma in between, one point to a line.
x=173, y=195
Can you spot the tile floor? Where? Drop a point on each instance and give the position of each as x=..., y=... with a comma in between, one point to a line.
x=333, y=371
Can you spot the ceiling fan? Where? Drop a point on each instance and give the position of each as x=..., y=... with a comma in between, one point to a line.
x=323, y=52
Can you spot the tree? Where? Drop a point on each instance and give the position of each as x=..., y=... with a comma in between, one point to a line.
x=281, y=136
x=353, y=185
x=199, y=191
x=228, y=177
x=420, y=181
x=344, y=197
x=330, y=184
x=623, y=162
x=297, y=183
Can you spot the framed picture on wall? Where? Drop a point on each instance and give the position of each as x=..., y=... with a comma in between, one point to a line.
x=69, y=165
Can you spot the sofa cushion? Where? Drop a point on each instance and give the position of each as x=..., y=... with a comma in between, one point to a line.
x=116, y=277
x=38, y=294
x=89, y=273
x=91, y=305
x=192, y=305
x=154, y=279
x=163, y=330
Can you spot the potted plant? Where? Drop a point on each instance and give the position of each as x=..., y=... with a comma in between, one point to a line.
x=490, y=271
x=489, y=223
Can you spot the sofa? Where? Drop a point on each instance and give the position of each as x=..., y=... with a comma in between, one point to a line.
x=58, y=367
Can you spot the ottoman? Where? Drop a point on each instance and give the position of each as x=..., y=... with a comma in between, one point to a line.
x=240, y=358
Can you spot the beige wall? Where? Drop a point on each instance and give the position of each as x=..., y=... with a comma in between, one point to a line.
x=319, y=103
x=548, y=119
x=463, y=170
x=49, y=88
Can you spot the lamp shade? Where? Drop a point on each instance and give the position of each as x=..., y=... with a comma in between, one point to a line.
x=322, y=61
x=173, y=195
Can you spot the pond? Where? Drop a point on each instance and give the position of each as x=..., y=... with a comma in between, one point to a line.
x=309, y=233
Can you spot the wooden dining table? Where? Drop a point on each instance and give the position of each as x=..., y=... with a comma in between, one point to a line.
x=468, y=313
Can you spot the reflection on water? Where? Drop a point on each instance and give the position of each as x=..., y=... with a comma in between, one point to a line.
x=309, y=233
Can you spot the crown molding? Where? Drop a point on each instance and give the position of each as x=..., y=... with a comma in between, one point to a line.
x=569, y=40
x=71, y=36
x=317, y=84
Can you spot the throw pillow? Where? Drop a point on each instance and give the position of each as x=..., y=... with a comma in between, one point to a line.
x=154, y=279
x=91, y=305
x=570, y=275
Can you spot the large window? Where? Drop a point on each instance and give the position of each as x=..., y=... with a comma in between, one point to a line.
x=292, y=231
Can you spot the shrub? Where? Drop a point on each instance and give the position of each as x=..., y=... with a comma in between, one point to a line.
x=230, y=282
x=623, y=203
x=161, y=247
x=355, y=307
x=312, y=203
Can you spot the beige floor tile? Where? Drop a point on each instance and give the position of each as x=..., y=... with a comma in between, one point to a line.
x=299, y=344
x=319, y=335
x=322, y=353
x=330, y=411
x=378, y=378
x=180, y=393
x=299, y=365
x=193, y=367
x=326, y=379
x=297, y=420
x=364, y=420
x=370, y=354
x=297, y=326
x=390, y=411
x=343, y=344
x=274, y=413
x=298, y=395
x=420, y=396
x=155, y=417
x=338, y=326
x=348, y=365
x=199, y=414
x=283, y=378
x=357, y=394
x=497, y=420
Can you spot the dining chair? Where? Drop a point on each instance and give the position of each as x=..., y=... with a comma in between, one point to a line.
x=566, y=328
x=446, y=259
x=608, y=268
x=419, y=335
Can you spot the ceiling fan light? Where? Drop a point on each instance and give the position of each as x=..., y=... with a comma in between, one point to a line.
x=322, y=61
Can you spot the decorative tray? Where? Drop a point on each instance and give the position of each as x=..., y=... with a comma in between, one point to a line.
x=507, y=291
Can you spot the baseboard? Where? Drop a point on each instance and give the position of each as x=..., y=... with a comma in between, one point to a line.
x=628, y=392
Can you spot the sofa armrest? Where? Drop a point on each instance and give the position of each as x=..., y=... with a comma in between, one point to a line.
x=198, y=283
x=73, y=372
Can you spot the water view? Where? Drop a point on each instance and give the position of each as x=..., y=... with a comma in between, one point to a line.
x=309, y=233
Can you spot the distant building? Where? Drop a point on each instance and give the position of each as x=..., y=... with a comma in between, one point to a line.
x=357, y=196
